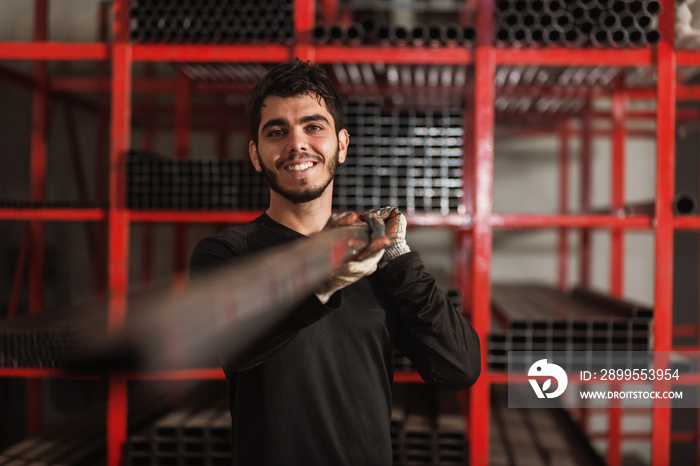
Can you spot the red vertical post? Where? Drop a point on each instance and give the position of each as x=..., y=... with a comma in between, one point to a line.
x=37, y=172
x=183, y=110
x=665, y=179
x=586, y=150
x=614, y=452
x=464, y=237
x=102, y=141
x=484, y=119
x=304, y=19
x=618, y=191
x=563, y=238
x=147, y=250
x=118, y=220
x=329, y=11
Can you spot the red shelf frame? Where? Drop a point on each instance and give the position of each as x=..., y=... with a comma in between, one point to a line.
x=475, y=227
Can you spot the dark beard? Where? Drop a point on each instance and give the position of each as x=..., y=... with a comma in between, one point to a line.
x=305, y=195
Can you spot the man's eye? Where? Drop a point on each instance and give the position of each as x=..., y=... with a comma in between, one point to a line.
x=275, y=132
x=314, y=128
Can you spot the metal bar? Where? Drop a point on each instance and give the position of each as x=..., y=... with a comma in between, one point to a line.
x=407, y=55
x=54, y=51
x=214, y=373
x=665, y=173
x=210, y=53
x=617, y=201
x=586, y=154
x=687, y=222
x=47, y=214
x=582, y=57
x=572, y=221
x=118, y=220
x=304, y=18
x=147, y=250
x=484, y=96
x=192, y=216
x=563, y=234
x=183, y=104
x=232, y=313
x=37, y=164
x=329, y=11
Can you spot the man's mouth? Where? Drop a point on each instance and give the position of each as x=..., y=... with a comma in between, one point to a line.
x=300, y=166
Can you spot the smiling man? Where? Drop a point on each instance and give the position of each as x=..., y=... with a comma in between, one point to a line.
x=317, y=390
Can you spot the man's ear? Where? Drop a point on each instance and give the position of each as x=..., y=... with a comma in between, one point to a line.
x=343, y=141
x=253, y=153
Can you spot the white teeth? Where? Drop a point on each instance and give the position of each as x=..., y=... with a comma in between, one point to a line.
x=300, y=167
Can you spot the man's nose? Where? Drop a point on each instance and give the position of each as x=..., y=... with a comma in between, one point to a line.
x=298, y=141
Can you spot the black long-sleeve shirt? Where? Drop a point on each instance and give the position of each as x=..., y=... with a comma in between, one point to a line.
x=318, y=390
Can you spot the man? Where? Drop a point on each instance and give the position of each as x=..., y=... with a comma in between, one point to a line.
x=318, y=390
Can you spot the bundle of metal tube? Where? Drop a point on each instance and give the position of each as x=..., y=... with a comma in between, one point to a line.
x=536, y=437
x=411, y=159
x=79, y=440
x=579, y=23
x=50, y=204
x=155, y=182
x=212, y=21
x=427, y=428
x=534, y=318
x=371, y=32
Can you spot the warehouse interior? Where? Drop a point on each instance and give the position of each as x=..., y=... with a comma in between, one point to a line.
x=542, y=151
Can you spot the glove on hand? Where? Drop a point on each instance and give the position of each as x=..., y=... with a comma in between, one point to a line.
x=361, y=264
x=395, y=227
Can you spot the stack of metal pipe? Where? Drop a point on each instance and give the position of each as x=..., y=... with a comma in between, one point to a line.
x=212, y=21
x=407, y=158
x=579, y=23
x=371, y=32
x=538, y=319
x=155, y=182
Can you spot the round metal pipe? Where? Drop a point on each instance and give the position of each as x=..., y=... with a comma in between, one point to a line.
x=419, y=34
x=354, y=34
x=452, y=34
x=398, y=34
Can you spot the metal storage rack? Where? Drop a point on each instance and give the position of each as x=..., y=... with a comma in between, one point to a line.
x=475, y=227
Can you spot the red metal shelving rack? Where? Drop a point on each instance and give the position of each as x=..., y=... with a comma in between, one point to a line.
x=475, y=229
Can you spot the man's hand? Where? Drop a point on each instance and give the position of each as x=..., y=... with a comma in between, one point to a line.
x=363, y=263
x=395, y=230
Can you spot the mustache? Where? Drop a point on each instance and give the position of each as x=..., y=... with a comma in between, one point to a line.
x=299, y=156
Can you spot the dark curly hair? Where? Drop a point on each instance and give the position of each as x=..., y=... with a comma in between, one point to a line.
x=292, y=79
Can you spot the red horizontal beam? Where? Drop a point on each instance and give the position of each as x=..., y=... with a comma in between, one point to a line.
x=688, y=58
x=407, y=377
x=211, y=53
x=60, y=51
x=49, y=214
x=687, y=222
x=556, y=221
x=687, y=330
x=215, y=373
x=192, y=216
x=567, y=56
x=407, y=55
x=40, y=373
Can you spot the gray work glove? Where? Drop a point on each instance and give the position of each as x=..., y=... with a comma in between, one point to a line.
x=395, y=227
x=363, y=263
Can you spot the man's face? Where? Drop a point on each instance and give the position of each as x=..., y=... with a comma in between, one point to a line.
x=298, y=150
